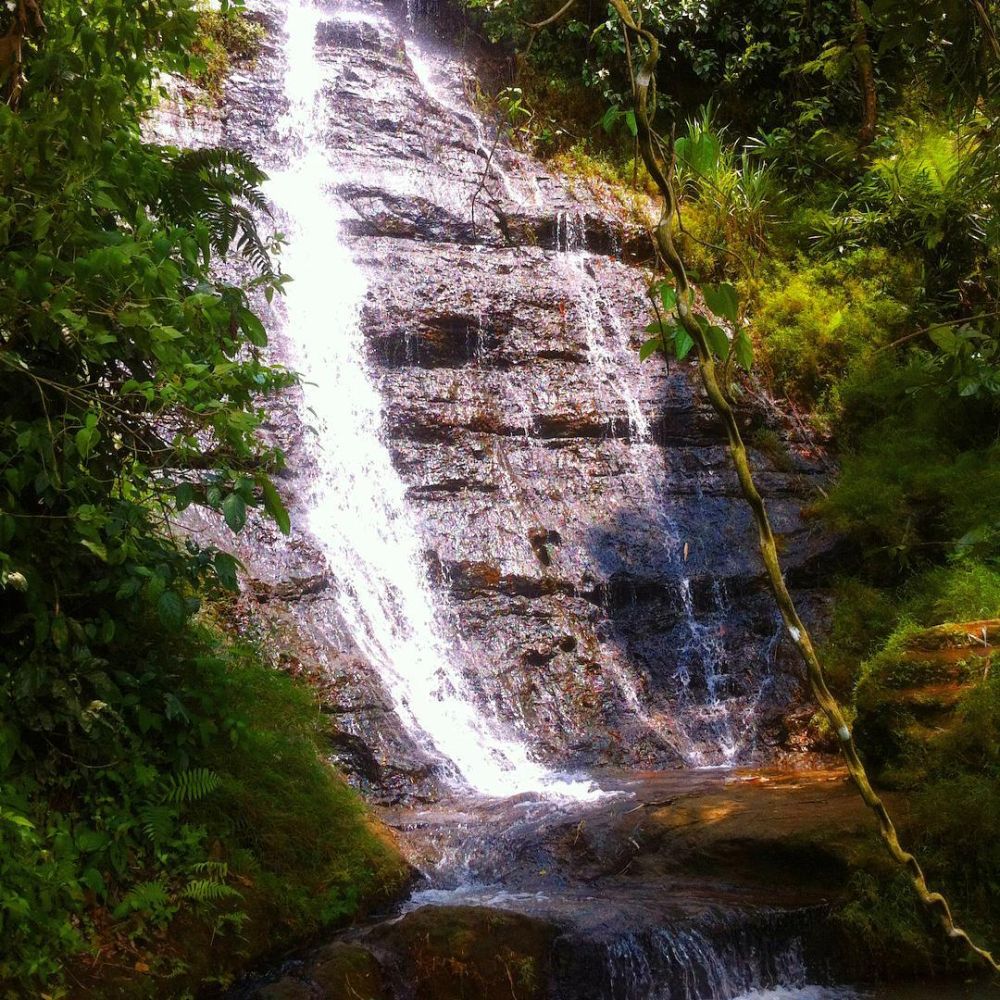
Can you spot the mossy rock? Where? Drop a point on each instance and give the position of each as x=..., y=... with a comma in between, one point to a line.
x=286, y=989
x=907, y=695
x=347, y=970
x=466, y=952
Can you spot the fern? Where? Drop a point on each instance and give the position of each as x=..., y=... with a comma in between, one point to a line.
x=220, y=188
x=147, y=897
x=206, y=890
x=218, y=870
x=191, y=785
x=157, y=821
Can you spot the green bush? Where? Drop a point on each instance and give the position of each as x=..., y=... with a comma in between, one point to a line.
x=197, y=827
x=863, y=616
x=920, y=477
x=815, y=321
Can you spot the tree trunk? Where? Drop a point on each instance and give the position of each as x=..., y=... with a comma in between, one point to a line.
x=862, y=53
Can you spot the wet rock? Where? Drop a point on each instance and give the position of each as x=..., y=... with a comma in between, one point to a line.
x=286, y=989
x=292, y=589
x=585, y=534
x=341, y=971
x=459, y=952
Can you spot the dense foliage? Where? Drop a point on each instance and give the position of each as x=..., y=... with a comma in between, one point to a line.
x=143, y=784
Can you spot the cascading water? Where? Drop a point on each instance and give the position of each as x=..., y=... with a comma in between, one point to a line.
x=607, y=344
x=358, y=509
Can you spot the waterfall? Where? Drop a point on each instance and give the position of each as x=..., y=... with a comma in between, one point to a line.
x=358, y=511
x=608, y=347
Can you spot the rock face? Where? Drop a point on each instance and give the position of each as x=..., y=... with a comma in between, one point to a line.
x=580, y=524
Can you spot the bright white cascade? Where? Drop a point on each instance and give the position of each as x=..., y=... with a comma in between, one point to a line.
x=358, y=509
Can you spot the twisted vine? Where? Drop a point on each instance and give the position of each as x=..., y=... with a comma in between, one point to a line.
x=659, y=164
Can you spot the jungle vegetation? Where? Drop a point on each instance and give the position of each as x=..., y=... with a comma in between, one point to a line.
x=164, y=809
x=837, y=190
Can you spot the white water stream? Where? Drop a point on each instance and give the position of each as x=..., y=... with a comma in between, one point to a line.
x=358, y=510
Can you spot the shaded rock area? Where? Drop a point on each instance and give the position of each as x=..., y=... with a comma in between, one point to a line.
x=581, y=525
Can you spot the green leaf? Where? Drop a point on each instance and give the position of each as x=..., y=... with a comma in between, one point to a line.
x=743, y=349
x=96, y=547
x=170, y=608
x=722, y=300
x=700, y=155
x=650, y=347
x=91, y=840
x=668, y=296
x=945, y=338
x=718, y=342
x=183, y=496
x=94, y=881
x=234, y=510
x=85, y=439
x=43, y=220
x=253, y=328
x=225, y=569
x=682, y=344
x=274, y=506
x=59, y=631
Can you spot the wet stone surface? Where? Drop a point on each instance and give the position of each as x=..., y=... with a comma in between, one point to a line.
x=580, y=523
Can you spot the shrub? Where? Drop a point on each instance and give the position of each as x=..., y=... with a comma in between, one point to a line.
x=206, y=830
x=815, y=321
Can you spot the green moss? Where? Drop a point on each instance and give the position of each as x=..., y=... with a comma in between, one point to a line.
x=815, y=321
x=952, y=772
x=301, y=835
x=224, y=38
x=882, y=919
x=466, y=952
x=863, y=617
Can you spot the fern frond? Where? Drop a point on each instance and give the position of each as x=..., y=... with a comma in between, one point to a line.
x=191, y=785
x=206, y=890
x=157, y=822
x=220, y=188
x=147, y=897
x=218, y=870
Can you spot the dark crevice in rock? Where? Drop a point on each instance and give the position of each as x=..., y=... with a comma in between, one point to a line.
x=445, y=341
